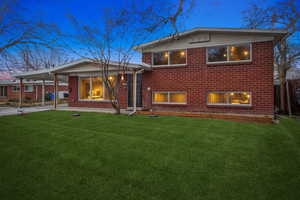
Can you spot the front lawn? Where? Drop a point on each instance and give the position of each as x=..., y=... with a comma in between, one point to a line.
x=52, y=155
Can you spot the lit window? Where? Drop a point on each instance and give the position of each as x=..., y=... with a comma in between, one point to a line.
x=94, y=88
x=239, y=52
x=229, y=98
x=177, y=97
x=230, y=53
x=3, y=91
x=28, y=88
x=169, y=57
x=169, y=97
x=177, y=57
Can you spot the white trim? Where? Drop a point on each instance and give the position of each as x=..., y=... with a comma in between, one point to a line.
x=228, y=56
x=272, y=32
x=227, y=104
x=2, y=88
x=169, y=92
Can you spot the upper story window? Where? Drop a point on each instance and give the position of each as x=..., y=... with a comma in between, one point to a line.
x=229, y=53
x=176, y=57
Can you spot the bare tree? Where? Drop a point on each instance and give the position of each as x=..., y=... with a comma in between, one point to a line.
x=31, y=58
x=17, y=31
x=283, y=14
x=113, y=41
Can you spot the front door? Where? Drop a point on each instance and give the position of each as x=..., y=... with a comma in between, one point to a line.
x=139, y=102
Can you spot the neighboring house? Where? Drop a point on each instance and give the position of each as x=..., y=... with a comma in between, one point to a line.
x=293, y=78
x=33, y=90
x=204, y=70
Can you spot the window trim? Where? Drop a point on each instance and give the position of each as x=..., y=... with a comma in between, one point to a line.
x=27, y=90
x=223, y=104
x=229, y=61
x=169, y=92
x=2, y=88
x=172, y=65
x=91, y=100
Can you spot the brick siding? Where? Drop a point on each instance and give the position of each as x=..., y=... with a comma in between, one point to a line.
x=198, y=78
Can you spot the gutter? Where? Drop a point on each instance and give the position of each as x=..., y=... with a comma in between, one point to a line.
x=134, y=91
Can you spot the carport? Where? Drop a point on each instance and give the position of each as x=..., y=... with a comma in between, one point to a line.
x=42, y=75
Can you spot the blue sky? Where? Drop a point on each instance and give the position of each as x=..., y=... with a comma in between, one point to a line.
x=207, y=13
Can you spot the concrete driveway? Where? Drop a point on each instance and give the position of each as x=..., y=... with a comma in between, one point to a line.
x=14, y=111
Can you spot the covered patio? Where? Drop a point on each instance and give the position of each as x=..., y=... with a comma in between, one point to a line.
x=80, y=68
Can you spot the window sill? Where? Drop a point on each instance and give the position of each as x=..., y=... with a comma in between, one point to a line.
x=168, y=66
x=229, y=63
x=170, y=104
x=90, y=100
x=228, y=106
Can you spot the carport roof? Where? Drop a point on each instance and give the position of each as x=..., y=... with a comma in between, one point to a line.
x=48, y=74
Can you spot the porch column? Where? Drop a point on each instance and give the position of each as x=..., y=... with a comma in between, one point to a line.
x=134, y=90
x=55, y=91
x=36, y=93
x=43, y=93
x=21, y=93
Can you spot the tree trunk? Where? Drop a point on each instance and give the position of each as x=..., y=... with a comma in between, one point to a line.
x=282, y=96
x=116, y=107
x=282, y=73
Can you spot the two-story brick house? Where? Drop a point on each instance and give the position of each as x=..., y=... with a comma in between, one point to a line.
x=204, y=70
x=212, y=70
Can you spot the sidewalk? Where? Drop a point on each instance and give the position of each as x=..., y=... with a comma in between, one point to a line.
x=14, y=111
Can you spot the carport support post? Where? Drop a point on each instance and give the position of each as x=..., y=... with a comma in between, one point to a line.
x=21, y=93
x=134, y=90
x=55, y=91
x=43, y=93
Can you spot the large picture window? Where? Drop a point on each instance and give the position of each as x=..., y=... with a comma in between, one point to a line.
x=169, y=97
x=94, y=88
x=3, y=91
x=229, y=53
x=176, y=57
x=229, y=98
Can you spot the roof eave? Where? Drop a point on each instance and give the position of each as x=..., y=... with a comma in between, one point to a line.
x=279, y=32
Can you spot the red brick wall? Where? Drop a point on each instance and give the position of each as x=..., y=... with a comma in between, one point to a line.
x=32, y=95
x=75, y=102
x=197, y=79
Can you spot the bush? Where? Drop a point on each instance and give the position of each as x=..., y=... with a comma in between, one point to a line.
x=13, y=100
x=27, y=100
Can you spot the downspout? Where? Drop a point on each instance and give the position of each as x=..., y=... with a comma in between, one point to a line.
x=134, y=90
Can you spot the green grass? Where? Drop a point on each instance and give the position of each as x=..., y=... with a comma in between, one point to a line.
x=52, y=155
